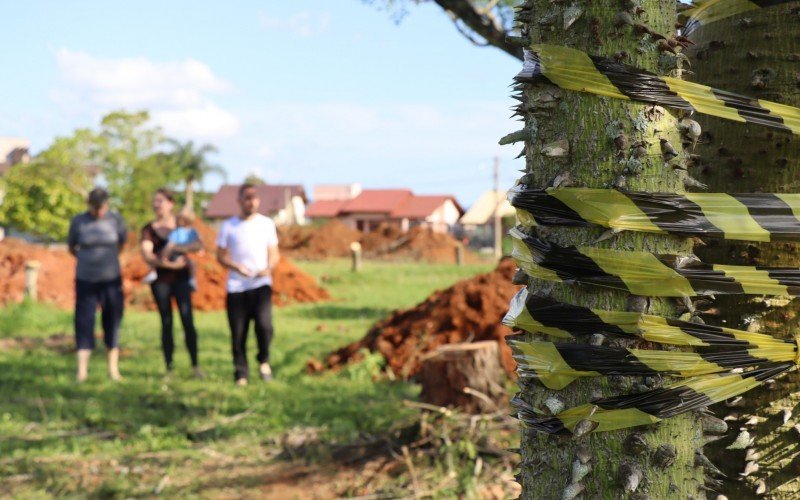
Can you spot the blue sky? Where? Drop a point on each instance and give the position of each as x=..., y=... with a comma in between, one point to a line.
x=305, y=91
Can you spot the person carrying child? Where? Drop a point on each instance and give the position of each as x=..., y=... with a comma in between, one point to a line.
x=167, y=255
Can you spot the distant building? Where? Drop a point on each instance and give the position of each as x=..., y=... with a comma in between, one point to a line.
x=366, y=209
x=13, y=150
x=478, y=222
x=286, y=204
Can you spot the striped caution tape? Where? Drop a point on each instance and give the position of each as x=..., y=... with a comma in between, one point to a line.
x=647, y=407
x=575, y=70
x=557, y=365
x=705, y=12
x=749, y=217
x=535, y=313
x=647, y=274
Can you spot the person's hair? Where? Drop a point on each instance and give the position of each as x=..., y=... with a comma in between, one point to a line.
x=187, y=213
x=97, y=197
x=244, y=187
x=166, y=193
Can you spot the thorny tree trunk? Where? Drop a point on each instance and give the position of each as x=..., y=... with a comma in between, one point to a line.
x=756, y=54
x=595, y=128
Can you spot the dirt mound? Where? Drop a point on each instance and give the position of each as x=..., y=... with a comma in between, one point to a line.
x=419, y=244
x=386, y=242
x=331, y=239
x=57, y=276
x=470, y=310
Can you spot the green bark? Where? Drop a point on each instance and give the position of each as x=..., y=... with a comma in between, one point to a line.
x=756, y=54
x=590, y=125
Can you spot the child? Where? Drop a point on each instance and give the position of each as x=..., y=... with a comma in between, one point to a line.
x=182, y=235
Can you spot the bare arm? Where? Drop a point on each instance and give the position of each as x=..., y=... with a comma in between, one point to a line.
x=153, y=260
x=274, y=257
x=224, y=258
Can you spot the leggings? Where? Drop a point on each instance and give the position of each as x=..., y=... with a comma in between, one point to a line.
x=242, y=307
x=162, y=293
x=88, y=295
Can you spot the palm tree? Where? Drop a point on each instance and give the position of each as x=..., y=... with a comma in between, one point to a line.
x=193, y=165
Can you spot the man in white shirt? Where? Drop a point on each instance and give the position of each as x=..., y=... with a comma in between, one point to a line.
x=247, y=246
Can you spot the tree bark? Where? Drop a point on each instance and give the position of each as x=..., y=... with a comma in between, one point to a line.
x=757, y=54
x=590, y=125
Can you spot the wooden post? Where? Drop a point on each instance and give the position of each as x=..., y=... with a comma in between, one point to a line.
x=460, y=254
x=498, y=221
x=468, y=376
x=31, y=278
x=355, y=253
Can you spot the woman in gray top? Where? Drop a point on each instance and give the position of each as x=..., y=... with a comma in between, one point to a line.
x=96, y=238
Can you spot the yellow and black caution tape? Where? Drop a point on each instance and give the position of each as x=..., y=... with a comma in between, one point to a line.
x=705, y=12
x=725, y=363
x=537, y=314
x=647, y=407
x=748, y=216
x=558, y=364
x=647, y=274
x=575, y=70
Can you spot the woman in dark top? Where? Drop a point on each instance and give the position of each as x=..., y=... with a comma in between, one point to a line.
x=172, y=278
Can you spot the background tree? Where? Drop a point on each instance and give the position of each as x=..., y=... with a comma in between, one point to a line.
x=253, y=178
x=755, y=54
x=597, y=131
x=193, y=166
x=482, y=22
x=42, y=196
x=133, y=163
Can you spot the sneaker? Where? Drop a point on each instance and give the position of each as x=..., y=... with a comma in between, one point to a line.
x=241, y=382
x=198, y=373
x=150, y=277
x=266, y=372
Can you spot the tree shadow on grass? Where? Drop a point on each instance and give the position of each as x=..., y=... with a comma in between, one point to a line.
x=342, y=311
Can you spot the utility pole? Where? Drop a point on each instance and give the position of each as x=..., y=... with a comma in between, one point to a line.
x=498, y=222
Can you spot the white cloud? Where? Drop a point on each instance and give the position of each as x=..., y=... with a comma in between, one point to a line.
x=302, y=24
x=177, y=93
x=397, y=144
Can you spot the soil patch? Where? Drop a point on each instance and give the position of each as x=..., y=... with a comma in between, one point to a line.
x=57, y=276
x=469, y=311
x=386, y=242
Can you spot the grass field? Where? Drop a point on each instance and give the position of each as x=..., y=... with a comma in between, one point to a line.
x=182, y=436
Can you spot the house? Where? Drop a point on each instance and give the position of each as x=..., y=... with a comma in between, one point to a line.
x=366, y=209
x=13, y=150
x=286, y=204
x=478, y=222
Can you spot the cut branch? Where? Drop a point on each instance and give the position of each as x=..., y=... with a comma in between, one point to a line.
x=480, y=24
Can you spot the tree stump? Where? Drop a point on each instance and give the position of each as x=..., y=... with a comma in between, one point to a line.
x=467, y=376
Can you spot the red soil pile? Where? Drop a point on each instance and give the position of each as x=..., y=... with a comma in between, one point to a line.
x=387, y=242
x=470, y=310
x=331, y=239
x=57, y=276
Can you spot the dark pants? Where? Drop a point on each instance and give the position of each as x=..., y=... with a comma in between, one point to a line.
x=242, y=307
x=89, y=295
x=162, y=293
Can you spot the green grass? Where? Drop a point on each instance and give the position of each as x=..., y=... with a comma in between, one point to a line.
x=45, y=418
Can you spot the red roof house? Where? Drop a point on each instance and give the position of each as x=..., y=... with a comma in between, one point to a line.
x=281, y=202
x=372, y=207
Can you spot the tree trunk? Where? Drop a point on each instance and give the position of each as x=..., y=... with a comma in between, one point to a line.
x=594, y=128
x=189, y=194
x=467, y=376
x=757, y=54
